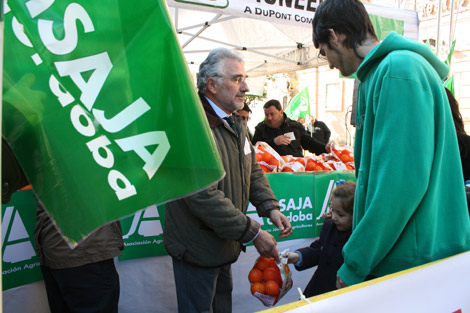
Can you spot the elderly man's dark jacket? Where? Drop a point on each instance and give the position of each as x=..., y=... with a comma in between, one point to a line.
x=208, y=228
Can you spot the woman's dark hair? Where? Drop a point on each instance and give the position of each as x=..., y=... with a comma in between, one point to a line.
x=454, y=107
x=347, y=17
x=274, y=103
x=345, y=193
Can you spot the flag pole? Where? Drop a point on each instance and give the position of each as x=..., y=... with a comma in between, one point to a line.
x=1, y=127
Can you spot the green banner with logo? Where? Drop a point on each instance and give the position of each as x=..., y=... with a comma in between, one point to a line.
x=302, y=197
x=299, y=106
x=20, y=264
x=101, y=110
x=143, y=233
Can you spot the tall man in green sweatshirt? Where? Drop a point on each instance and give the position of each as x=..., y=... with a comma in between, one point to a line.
x=410, y=205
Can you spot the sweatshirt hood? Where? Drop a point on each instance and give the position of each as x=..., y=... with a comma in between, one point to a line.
x=395, y=42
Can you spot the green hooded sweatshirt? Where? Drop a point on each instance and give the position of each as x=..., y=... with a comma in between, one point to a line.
x=410, y=205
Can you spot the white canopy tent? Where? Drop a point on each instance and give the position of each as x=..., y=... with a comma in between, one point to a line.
x=273, y=36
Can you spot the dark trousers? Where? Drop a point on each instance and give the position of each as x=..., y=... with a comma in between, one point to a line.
x=90, y=288
x=200, y=289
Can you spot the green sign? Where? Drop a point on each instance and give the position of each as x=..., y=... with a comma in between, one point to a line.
x=143, y=233
x=20, y=264
x=101, y=110
x=302, y=197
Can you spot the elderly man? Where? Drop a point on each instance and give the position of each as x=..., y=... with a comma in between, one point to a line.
x=284, y=135
x=409, y=208
x=205, y=232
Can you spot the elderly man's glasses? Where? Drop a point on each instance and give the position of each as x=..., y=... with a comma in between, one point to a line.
x=238, y=79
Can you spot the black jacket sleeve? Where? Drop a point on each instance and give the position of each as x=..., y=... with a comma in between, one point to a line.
x=13, y=177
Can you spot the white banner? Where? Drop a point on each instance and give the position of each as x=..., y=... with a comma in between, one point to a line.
x=292, y=12
x=440, y=287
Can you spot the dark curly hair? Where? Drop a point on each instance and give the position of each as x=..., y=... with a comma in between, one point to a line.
x=347, y=17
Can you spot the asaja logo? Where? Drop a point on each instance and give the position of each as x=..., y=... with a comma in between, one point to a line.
x=209, y=3
x=146, y=222
x=15, y=239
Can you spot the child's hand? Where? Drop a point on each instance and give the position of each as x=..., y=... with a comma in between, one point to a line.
x=326, y=215
x=293, y=257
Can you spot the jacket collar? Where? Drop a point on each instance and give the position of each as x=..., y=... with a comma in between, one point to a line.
x=213, y=119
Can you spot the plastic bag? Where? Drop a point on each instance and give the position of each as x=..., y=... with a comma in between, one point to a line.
x=270, y=281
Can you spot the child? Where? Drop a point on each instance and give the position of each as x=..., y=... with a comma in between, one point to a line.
x=326, y=252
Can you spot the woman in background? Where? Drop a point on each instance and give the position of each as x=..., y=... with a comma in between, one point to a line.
x=463, y=138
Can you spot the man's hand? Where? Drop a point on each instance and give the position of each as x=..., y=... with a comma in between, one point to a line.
x=282, y=140
x=282, y=222
x=328, y=147
x=339, y=283
x=266, y=245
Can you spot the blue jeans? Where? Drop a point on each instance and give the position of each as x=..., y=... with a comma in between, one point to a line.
x=201, y=289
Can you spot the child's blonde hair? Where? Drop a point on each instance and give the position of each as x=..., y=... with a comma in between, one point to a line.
x=345, y=193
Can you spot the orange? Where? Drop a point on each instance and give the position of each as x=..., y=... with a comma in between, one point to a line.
x=272, y=288
x=272, y=263
x=262, y=263
x=273, y=161
x=300, y=160
x=285, y=158
x=266, y=157
x=257, y=287
x=310, y=166
x=287, y=169
x=344, y=158
x=269, y=273
x=272, y=273
x=264, y=168
x=255, y=276
x=258, y=157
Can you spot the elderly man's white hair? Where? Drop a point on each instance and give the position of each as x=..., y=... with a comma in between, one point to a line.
x=211, y=67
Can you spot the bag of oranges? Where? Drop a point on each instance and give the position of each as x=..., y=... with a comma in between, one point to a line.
x=270, y=281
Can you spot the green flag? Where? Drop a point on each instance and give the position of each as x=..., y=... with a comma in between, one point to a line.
x=299, y=106
x=101, y=111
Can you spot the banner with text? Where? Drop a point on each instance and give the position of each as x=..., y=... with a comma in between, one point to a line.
x=101, y=111
x=20, y=264
x=293, y=12
x=303, y=199
x=296, y=12
x=437, y=287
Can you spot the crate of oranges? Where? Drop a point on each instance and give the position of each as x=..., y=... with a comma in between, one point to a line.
x=270, y=281
x=340, y=158
x=269, y=160
x=343, y=154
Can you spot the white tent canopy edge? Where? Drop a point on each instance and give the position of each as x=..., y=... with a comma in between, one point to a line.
x=273, y=36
